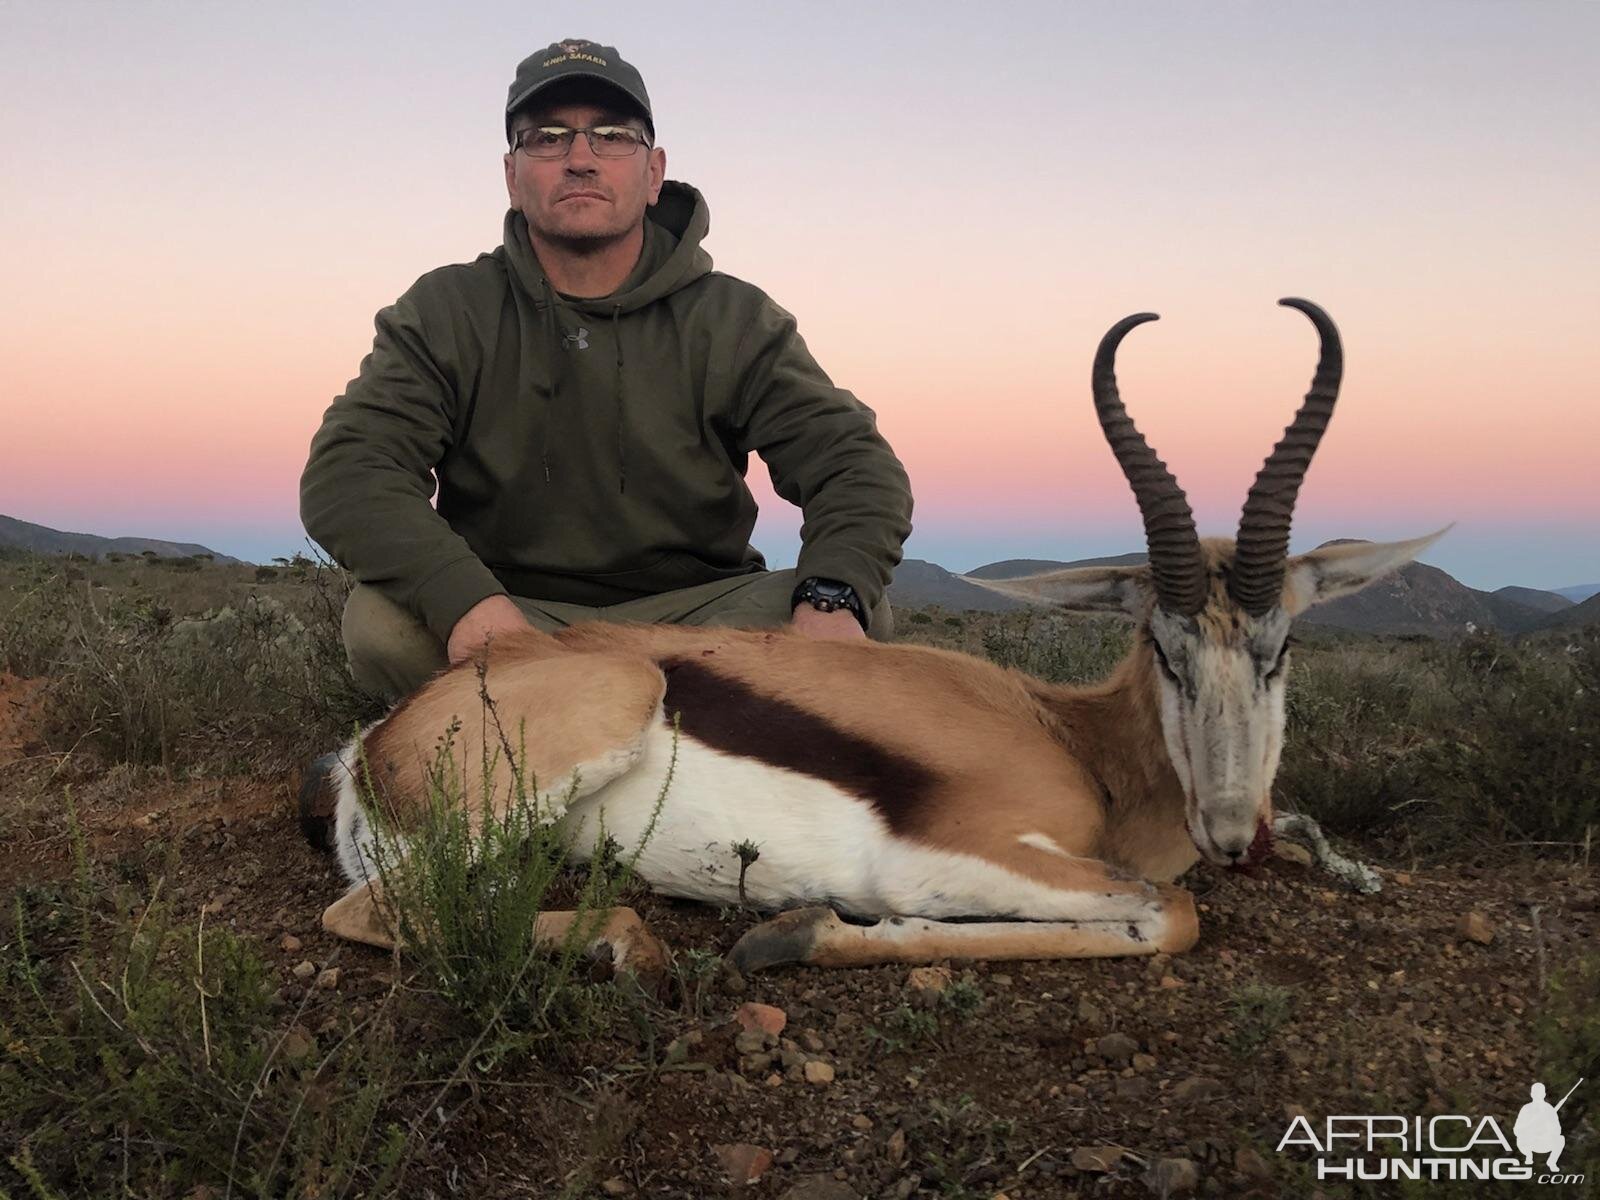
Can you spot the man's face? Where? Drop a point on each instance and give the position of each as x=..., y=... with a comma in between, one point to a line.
x=582, y=199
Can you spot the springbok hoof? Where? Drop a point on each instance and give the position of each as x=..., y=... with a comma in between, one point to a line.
x=787, y=938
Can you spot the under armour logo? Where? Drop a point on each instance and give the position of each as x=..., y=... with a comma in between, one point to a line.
x=577, y=339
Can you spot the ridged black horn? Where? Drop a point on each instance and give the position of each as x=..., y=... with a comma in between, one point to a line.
x=1175, y=560
x=1263, y=543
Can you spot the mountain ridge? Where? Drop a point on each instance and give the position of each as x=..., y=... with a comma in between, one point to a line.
x=1417, y=599
x=41, y=539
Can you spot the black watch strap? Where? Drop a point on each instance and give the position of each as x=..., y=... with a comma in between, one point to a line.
x=829, y=595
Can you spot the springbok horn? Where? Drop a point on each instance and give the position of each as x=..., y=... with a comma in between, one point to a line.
x=1175, y=562
x=1263, y=542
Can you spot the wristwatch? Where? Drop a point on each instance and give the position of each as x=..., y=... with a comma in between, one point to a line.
x=829, y=595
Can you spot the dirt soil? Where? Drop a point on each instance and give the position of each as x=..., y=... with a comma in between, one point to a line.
x=1071, y=1078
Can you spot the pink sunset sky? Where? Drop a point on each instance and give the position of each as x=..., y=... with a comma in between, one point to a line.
x=204, y=205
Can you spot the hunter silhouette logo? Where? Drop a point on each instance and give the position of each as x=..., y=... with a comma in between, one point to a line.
x=1449, y=1146
x=1538, y=1128
x=576, y=339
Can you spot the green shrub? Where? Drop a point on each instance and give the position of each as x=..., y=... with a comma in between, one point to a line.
x=255, y=682
x=149, y=1056
x=465, y=892
x=1449, y=745
x=1056, y=647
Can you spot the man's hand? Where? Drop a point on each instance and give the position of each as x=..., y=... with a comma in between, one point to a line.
x=488, y=618
x=838, y=625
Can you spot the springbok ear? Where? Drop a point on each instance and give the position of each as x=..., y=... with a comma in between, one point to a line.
x=1331, y=571
x=1078, y=589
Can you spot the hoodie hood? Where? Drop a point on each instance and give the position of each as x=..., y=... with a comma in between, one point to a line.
x=672, y=257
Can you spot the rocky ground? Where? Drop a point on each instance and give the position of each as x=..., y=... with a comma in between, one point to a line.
x=1128, y=1077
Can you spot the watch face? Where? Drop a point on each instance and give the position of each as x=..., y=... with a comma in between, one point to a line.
x=830, y=588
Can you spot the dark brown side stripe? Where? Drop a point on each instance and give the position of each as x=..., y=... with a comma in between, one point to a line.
x=728, y=715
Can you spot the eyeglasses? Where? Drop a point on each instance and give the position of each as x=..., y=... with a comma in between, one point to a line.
x=554, y=141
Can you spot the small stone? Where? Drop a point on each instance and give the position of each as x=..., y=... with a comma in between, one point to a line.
x=304, y=970
x=1288, y=852
x=1172, y=1177
x=774, y=1080
x=1476, y=926
x=819, y=1187
x=819, y=1073
x=289, y=943
x=1403, y=878
x=1097, y=1158
x=1143, y=1063
x=761, y=1018
x=1168, y=982
x=297, y=1045
x=1248, y=1162
x=213, y=906
x=1116, y=1047
x=861, y=1121
x=895, y=1148
x=328, y=979
x=927, y=984
x=1196, y=1087
x=744, y=1163
x=812, y=1041
x=616, y=1186
x=753, y=1041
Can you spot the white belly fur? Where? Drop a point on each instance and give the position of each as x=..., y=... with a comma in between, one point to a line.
x=816, y=842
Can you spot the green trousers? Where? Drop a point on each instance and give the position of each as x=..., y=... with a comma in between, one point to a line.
x=391, y=653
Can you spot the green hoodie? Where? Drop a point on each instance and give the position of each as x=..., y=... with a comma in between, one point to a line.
x=593, y=450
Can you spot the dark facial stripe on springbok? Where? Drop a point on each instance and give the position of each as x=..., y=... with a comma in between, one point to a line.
x=728, y=715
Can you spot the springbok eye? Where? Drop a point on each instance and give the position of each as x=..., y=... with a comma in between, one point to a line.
x=1161, y=661
x=1282, y=660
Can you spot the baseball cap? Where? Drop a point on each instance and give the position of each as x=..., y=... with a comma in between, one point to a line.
x=577, y=58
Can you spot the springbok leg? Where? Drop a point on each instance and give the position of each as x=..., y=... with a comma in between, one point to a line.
x=817, y=937
x=362, y=915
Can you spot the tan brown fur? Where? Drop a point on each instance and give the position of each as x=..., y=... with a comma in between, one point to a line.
x=994, y=737
x=560, y=710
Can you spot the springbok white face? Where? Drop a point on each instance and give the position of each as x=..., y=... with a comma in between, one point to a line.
x=1222, y=716
x=1215, y=613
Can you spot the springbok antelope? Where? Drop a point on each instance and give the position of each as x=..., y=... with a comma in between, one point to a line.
x=913, y=785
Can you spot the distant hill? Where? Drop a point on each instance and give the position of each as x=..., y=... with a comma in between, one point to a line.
x=1423, y=599
x=42, y=540
x=1016, y=568
x=1579, y=592
x=920, y=584
x=1539, y=601
x=1587, y=613
x=1417, y=599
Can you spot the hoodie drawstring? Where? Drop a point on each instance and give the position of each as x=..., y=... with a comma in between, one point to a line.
x=553, y=334
x=622, y=458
